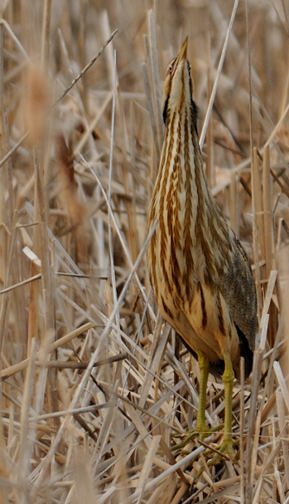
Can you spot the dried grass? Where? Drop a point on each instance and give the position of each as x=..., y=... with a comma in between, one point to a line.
x=93, y=385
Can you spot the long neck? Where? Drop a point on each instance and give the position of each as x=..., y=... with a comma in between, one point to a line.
x=188, y=216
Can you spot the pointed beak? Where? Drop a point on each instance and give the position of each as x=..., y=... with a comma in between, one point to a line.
x=182, y=54
x=177, y=87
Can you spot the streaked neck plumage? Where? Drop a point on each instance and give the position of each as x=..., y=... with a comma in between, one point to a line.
x=189, y=220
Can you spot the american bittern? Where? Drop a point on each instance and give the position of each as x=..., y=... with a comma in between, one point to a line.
x=199, y=271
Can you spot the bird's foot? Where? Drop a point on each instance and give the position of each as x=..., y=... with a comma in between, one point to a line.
x=227, y=447
x=224, y=451
x=215, y=455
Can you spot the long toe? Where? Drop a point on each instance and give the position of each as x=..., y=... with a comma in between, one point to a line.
x=194, y=435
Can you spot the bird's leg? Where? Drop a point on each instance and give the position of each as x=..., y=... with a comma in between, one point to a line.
x=201, y=430
x=228, y=379
x=204, y=372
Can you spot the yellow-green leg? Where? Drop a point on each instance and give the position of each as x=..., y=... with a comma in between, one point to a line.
x=228, y=379
x=204, y=372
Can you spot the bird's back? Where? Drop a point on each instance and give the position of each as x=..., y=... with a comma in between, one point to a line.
x=237, y=286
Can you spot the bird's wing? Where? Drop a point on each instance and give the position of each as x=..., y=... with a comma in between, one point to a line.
x=238, y=289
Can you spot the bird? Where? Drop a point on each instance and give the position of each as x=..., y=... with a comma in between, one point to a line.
x=199, y=272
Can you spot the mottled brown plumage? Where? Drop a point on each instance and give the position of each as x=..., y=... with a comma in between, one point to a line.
x=199, y=271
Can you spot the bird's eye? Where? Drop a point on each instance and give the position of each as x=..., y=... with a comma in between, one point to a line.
x=171, y=66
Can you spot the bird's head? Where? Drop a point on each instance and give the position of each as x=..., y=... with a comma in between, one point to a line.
x=178, y=84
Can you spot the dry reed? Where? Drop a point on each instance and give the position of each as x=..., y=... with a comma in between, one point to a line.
x=92, y=393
